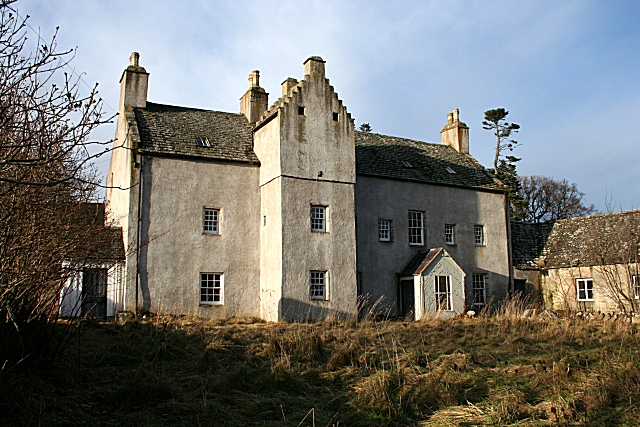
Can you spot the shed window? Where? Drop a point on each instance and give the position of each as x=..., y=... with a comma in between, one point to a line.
x=584, y=289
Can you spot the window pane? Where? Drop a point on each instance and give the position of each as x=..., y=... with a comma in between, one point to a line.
x=384, y=230
x=317, y=285
x=318, y=218
x=210, y=222
x=415, y=228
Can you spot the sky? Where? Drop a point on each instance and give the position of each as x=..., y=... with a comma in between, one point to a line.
x=567, y=71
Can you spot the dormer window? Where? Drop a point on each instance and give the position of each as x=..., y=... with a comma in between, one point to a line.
x=406, y=164
x=203, y=142
x=451, y=171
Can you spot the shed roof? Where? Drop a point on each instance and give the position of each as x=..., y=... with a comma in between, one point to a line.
x=612, y=238
x=98, y=242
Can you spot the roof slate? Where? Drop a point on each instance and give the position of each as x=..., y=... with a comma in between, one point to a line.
x=528, y=242
x=99, y=242
x=166, y=129
x=420, y=262
x=602, y=239
x=383, y=156
x=171, y=130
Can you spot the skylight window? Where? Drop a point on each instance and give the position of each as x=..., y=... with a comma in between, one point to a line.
x=203, y=142
x=406, y=164
x=448, y=169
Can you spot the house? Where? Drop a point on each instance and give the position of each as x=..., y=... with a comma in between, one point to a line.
x=285, y=211
x=93, y=282
x=583, y=264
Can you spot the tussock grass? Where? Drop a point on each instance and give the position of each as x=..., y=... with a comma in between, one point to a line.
x=497, y=369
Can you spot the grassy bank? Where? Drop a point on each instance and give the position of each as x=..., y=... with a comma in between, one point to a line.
x=487, y=371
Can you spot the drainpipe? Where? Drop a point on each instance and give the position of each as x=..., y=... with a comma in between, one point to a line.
x=138, y=235
x=508, y=225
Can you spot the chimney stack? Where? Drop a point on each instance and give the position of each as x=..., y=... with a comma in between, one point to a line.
x=289, y=83
x=455, y=133
x=133, y=85
x=256, y=100
x=314, y=67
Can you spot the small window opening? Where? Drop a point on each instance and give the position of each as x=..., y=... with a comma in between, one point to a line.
x=203, y=142
x=448, y=169
x=335, y=117
x=301, y=111
x=406, y=164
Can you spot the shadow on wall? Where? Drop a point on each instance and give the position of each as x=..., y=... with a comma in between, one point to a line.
x=292, y=309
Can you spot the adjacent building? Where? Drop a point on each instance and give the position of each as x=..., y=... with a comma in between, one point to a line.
x=586, y=264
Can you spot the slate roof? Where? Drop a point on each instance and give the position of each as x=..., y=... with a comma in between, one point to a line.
x=99, y=242
x=172, y=130
x=420, y=262
x=602, y=239
x=383, y=156
x=528, y=242
x=167, y=129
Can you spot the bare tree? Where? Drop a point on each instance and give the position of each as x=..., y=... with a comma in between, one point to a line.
x=549, y=200
x=46, y=177
x=495, y=120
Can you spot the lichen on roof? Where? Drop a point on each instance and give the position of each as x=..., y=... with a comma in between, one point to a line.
x=383, y=156
x=602, y=239
x=171, y=130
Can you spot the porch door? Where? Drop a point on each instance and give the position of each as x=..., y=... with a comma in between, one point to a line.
x=408, y=296
x=94, y=293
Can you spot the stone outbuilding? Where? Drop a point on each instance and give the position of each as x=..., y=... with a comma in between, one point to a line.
x=583, y=264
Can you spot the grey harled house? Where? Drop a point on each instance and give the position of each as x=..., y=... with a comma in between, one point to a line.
x=286, y=211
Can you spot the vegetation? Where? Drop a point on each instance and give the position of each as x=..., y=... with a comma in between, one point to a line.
x=548, y=199
x=46, y=178
x=495, y=120
x=508, y=175
x=499, y=370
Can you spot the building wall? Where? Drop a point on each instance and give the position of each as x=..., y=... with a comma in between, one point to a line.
x=612, y=288
x=307, y=157
x=174, y=249
x=379, y=263
x=332, y=251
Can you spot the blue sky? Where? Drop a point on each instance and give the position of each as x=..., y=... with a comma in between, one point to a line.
x=568, y=71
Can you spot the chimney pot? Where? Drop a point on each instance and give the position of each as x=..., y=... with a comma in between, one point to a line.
x=254, y=78
x=450, y=118
x=134, y=59
x=456, y=115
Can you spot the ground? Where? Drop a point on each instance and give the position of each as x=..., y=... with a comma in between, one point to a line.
x=495, y=370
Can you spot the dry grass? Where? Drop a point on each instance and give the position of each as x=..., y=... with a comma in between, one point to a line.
x=493, y=370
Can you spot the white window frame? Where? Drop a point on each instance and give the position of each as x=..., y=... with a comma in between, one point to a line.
x=479, y=237
x=447, y=293
x=416, y=228
x=318, y=285
x=636, y=286
x=450, y=234
x=479, y=287
x=212, y=282
x=318, y=217
x=211, y=220
x=585, y=285
x=385, y=230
